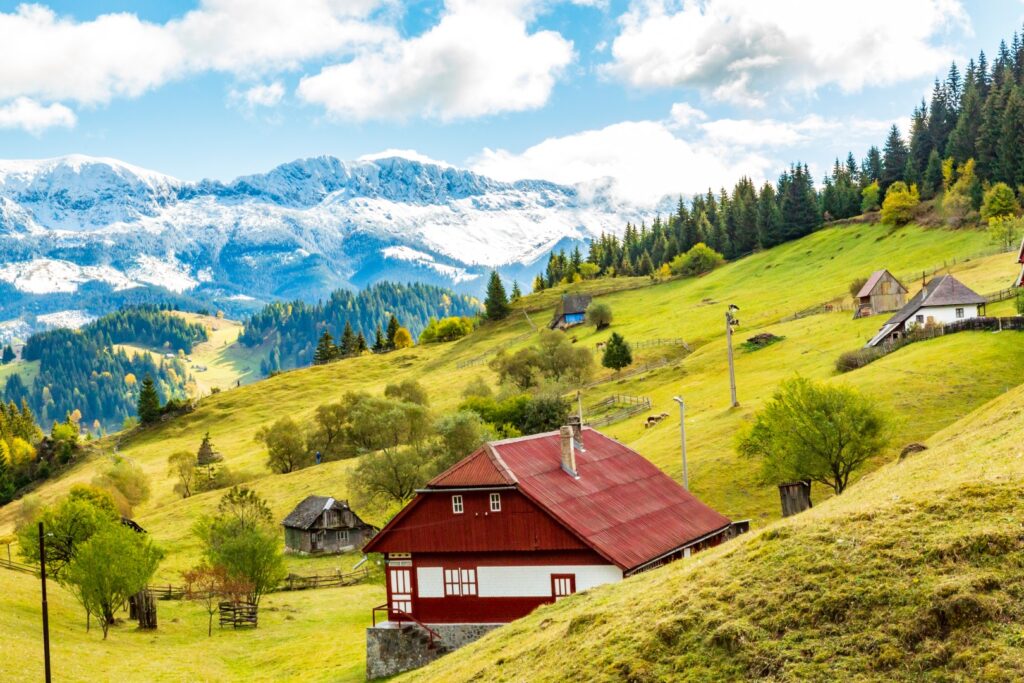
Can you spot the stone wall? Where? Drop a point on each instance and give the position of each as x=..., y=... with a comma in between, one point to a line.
x=391, y=650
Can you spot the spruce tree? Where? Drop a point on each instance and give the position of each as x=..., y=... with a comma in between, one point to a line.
x=931, y=182
x=378, y=340
x=646, y=266
x=617, y=353
x=360, y=343
x=496, y=303
x=149, y=402
x=8, y=355
x=348, y=341
x=894, y=159
x=325, y=349
x=6, y=481
x=393, y=328
x=516, y=292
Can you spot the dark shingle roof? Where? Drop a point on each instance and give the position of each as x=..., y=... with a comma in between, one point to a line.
x=571, y=303
x=307, y=512
x=945, y=290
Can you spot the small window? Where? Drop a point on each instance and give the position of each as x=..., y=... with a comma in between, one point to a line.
x=959, y=313
x=343, y=536
x=920, y=319
x=457, y=504
x=460, y=582
x=495, y=502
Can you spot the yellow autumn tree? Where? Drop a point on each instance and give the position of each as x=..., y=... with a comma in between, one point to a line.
x=403, y=339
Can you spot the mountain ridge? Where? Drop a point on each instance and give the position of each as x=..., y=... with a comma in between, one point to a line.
x=300, y=230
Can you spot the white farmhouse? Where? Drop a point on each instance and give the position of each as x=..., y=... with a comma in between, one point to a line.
x=943, y=300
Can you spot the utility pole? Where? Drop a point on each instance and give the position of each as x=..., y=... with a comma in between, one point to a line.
x=730, y=322
x=682, y=439
x=46, y=618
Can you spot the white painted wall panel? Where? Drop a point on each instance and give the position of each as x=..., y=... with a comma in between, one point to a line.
x=944, y=314
x=535, y=581
x=430, y=583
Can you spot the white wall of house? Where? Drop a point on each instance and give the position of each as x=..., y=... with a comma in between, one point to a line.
x=944, y=314
x=518, y=581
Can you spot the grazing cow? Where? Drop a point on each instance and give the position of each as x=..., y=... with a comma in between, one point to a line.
x=654, y=419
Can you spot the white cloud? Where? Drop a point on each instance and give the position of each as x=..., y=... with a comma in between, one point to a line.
x=263, y=95
x=683, y=115
x=644, y=159
x=56, y=58
x=481, y=58
x=30, y=116
x=741, y=52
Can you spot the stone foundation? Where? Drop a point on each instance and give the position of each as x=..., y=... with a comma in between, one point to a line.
x=390, y=650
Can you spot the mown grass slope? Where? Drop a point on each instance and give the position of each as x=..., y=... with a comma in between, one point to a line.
x=925, y=386
x=915, y=573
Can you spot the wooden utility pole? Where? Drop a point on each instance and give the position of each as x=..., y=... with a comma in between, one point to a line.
x=46, y=617
x=730, y=321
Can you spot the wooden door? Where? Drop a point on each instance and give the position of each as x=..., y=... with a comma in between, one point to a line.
x=400, y=586
x=562, y=585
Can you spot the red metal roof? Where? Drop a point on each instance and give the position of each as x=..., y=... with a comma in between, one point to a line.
x=482, y=468
x=621, y=505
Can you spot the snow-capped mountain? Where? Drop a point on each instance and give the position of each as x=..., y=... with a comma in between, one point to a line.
x=301, y=230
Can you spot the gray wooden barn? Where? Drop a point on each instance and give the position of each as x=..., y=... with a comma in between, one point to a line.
x=571, y=310
x=322, y=524
x=880, y=294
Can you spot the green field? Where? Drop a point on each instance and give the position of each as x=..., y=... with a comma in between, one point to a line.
x=926, y=387
x=915, y=573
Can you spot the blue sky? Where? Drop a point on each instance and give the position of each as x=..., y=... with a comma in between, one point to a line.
x=661, y=96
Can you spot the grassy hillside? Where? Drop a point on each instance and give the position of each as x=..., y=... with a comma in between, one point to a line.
x=915, y=573
x=926, y=386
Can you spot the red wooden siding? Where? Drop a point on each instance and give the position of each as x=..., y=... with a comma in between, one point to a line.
x=428, y=525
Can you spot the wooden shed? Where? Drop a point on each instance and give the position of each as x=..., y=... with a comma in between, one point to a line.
x=322, y=524
x=880, y=294
x=571, y=310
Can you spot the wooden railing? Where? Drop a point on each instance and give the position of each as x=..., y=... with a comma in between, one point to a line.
x=400, y=617
x=294, y=582
x=633, y=405
x=18, y=567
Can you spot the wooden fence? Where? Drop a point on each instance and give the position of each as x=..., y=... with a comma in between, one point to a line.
x=18, y=567
x=1014, y=323
x=238, y=614
x=629, y=373
x=651, y=343
x=1001, y=295
x=301, y=583
x=631, y=405
x=294, y=582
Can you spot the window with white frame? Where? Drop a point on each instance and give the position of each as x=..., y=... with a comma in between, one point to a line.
x=495, y=502
x=460, y=582
x=959, y=313
x=457, y=504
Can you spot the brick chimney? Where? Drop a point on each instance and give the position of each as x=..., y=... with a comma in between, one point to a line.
x=577, y=429
x=568, y=452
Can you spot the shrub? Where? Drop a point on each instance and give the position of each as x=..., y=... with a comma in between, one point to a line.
x=126, y=481
x=1005, y=230
x=900, y=202
x=445, y=329
x=870, y=197
x=856, y=286
x=999, y=201
x=599, y=315
x=698, y=260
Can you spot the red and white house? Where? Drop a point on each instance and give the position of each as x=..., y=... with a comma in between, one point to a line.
x=526, y=521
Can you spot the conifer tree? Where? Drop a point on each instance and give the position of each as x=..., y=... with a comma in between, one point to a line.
x=894, y=159
x=207, y=455
x=348, y=341
x=516, y=292
x=617, y=353
x=149, y=402
x=931, y=181
x=378, y=340
x=393, y=328
x=325, y=349
x=360, y=343
x=8, y=355
x=496, y=303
